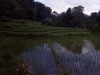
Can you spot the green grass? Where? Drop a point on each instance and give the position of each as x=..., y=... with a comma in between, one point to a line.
x=35, y=28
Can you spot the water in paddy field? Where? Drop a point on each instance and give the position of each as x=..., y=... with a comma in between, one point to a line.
x=41, y=60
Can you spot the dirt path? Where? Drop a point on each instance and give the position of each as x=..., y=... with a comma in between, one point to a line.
x=63, y=70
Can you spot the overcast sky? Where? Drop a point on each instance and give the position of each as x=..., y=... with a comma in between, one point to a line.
x=63, y=5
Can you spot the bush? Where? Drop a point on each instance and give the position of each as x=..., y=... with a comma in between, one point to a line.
x=47, y=21
x=24, y=22
x=4, y=19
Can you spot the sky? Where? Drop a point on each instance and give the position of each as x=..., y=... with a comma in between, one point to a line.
x=63, y=5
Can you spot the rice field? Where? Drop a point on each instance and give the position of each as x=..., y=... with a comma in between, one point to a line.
x=41, y=60
x=35, y=29
x=58, y=48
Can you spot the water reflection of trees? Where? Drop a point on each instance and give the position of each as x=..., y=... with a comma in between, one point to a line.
x=41, y=60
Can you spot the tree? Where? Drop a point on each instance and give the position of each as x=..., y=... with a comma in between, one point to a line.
x=78, y=15
x=94, y=22
x=43, y=11
x=6, y=7
x=55, y=13
x=68, y=17
x=18, y=13
x=48, y=11
x=18, y=9
x=60, y=19
x=98, y=18
x=29, y=7
x=47, y=21
x=54, y=16
x=64, y=19
x=93, y=17
x=86, y=21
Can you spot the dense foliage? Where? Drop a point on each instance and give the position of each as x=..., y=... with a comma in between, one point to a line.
x=29, y=9
x=19, y=9
x=75, y=18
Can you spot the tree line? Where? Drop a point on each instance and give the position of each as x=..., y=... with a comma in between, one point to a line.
x=29, y=9
x=23, y=9
x=75, y=18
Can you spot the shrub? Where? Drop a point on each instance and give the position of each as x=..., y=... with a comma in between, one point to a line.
x=47, y=21
x=4, y=19
x=24, y=22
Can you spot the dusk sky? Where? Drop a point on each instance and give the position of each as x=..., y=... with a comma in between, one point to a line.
x=63, y=5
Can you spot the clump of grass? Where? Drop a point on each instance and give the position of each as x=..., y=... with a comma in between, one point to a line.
x=8, y=63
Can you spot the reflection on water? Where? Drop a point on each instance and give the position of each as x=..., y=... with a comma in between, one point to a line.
x=41, y=61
